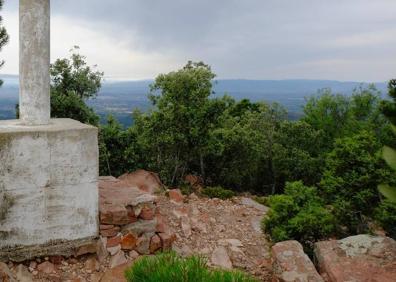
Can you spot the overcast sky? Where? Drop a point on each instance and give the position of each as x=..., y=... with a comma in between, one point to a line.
x=252, y=39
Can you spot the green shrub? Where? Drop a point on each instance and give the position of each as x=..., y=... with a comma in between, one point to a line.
x=261, y=200
x=298, y=214
x=168, y=267
x=218, y=192
x=385, y=214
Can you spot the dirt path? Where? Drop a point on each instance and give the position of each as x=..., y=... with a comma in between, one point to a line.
x=227, y=232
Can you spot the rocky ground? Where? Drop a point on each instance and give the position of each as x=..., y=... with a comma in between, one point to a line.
x=226, y=232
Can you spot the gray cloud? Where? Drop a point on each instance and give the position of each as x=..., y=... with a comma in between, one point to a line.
x=332, y=39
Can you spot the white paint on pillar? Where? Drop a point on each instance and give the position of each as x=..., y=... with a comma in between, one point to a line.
x=34, y=61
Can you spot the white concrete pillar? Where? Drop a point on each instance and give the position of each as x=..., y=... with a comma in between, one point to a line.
x=34, y=61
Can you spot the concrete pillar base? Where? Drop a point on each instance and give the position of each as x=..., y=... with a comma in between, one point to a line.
x=48, y=184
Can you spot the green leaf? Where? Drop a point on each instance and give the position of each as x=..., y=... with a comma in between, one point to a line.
x=393, y=128
x=389, y=156
x=388, y=191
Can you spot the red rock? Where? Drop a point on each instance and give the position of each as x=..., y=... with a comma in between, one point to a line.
x=131, y=215
x=88, y=248
x=113, y=214
x=56, y=259
x=105, y=227
x=161, y=225
x=193, y=180
x=92, y=264
x=5, y=273
x=143, y=245
x=155, y=244
x=145, y=180
x=128, y=242
x=357, y=258
x=101, y=250
x=167, y=240
x=110, y=232
x=117, y=274
x=176, y=196
x=46, y=267
x=291, y=264
x=147, y=213
x=114, y=241
x=118, y=259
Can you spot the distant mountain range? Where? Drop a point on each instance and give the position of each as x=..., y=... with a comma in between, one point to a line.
x=121, y=97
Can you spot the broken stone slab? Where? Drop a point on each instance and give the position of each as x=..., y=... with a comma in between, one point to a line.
x=140, y=227
x=357, y=258
x=248, y=202
x=118, y=259
x=291, y=264
x=220, y=258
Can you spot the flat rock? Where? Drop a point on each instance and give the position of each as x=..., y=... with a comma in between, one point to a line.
x=5, y=273
x=248, y=202
x=23, y=274
x=118, y=259
x=221, y=259
x=140, y=227
x=291, y=264
x=145, y=180
x=357, y=258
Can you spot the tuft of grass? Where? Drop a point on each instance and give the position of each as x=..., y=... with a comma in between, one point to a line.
x=218, y=192
x=169, y=267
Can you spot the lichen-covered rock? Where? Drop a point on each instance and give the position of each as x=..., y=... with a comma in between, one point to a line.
x=357, y=258
x=291, y=264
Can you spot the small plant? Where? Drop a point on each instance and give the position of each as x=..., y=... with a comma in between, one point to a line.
x=261, y=200
x=385, y=214
x=218, y=192
x=298, y=214
x=169, y=267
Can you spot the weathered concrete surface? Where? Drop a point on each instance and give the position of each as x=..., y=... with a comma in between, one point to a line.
x=34, y=61
x=357, y=258
x=291, y=264
x=48, y=183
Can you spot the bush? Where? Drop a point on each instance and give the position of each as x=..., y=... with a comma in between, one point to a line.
x=385, y=214
x=168, y=267
x=298, y=214
x=218, y=192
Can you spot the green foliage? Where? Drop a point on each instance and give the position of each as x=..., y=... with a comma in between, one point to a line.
x=298, y=214
x=168, y=267
x=72, y=106
x=72, y=82
x=73, y=76
x=118, y=148
x=218, y=192
x=385, y=214
x=3, y=36
x=353, y=170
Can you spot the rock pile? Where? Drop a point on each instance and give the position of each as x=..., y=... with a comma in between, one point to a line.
x=129, y=221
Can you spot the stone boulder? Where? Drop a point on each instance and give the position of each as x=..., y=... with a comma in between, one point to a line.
x=291, y=264
x=145, y=180
x=357, y=258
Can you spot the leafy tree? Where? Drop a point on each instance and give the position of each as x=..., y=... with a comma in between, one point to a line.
x=3, y=36
x=298, y=153
x=349, y=184
x=119, y=149
x=389, y=154
x=175, y=132
x=72, y=83
x=73, y=76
